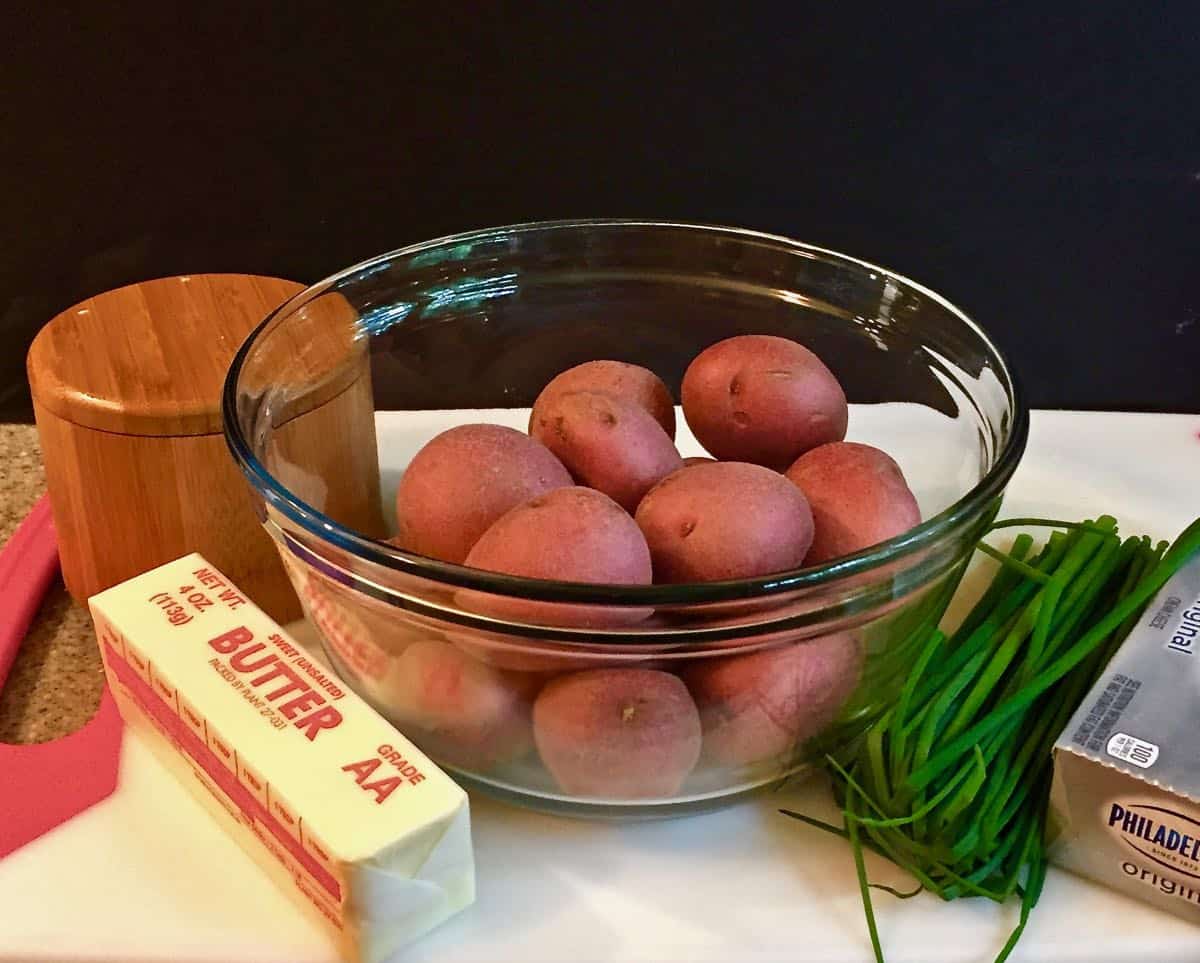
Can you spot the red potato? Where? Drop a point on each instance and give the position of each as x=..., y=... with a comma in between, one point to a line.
x=617, y=733
x=858, y=496
x=572, y=535
x=762, y=399
x=461, y=711
x=767, y=703
x=697, y=460
x=724, y=520
x=608, y=444
x=629, y=382
x=463, y=480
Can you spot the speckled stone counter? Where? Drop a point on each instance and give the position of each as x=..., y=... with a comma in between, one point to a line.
x=54, y=686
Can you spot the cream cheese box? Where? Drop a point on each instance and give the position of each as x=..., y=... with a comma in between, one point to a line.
x=338, y=807
x=1125, y=800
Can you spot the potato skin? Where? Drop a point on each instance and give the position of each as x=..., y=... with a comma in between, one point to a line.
x=724, y=520
x=858, y=496
x=617, y=733
x=629, y=382
x=464, y=479
x=697, y=460
x=570, y=534
x=766, y=703
x=762, y=399
x=607, y=443
x=461, y=711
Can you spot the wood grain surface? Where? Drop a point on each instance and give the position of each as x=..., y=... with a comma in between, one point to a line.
x=127, y=391
x=150, y=358
x=124, y=504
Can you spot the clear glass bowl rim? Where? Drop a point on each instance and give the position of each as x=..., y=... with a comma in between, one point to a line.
x=316, y=523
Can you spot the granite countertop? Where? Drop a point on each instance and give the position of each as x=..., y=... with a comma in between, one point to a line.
x=55, y=683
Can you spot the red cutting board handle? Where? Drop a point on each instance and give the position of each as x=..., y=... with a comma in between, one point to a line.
x=28, y=565
x=48, y=783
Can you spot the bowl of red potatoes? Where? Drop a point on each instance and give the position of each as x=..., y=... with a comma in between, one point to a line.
x=657, y=504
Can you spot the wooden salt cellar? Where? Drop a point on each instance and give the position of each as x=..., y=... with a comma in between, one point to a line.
x=127, y=395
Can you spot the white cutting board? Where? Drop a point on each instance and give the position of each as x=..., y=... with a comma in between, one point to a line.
x=146, y=876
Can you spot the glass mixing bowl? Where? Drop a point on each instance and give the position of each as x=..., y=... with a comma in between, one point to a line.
x=335, y=391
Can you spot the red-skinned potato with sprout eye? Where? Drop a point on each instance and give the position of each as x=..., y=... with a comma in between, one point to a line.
x=607, y=443
x=762, y=399
x=724, y=520
x=629, y=382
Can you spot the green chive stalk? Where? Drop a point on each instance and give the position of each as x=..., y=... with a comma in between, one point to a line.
x=948, y=776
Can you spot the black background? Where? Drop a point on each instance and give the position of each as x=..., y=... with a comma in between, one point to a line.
x=1037, y=164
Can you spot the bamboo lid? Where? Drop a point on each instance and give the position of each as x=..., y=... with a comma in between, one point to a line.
x=150, y=358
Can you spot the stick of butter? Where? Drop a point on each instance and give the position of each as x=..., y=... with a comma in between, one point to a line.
x=338, y=807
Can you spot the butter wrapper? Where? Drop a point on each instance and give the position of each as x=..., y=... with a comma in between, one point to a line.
x=1125, y=800
x=339, y=808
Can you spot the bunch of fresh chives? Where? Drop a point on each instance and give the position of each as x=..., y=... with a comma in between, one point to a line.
x=949, y=777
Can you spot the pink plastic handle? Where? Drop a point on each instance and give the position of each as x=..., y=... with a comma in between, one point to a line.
x=28, y=565
x=47, y=784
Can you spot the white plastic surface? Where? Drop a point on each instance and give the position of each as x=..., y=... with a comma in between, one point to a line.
x=147, y=877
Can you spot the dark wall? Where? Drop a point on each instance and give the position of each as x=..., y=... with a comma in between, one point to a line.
x=1038, y=165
